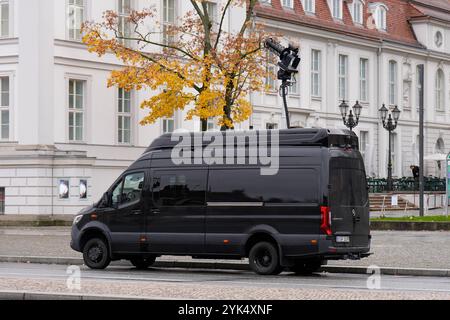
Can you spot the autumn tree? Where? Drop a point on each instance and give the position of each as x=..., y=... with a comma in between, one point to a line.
x=195, y=64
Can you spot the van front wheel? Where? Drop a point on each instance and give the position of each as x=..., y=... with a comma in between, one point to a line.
x=264, y=259
x=96, y=254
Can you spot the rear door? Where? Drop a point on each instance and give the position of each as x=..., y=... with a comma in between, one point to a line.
x=349, y=202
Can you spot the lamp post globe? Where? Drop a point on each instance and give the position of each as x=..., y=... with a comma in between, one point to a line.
x=352, y=120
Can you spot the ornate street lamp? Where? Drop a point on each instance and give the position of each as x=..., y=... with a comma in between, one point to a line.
x=353, y=117
x=390, y=124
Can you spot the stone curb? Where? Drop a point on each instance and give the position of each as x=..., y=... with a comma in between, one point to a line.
x=237, y=266
x=26, y=295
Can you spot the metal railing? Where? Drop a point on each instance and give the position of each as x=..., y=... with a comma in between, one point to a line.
x=432, y=184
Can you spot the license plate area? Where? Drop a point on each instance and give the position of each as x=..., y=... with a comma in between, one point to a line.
x=342, y=239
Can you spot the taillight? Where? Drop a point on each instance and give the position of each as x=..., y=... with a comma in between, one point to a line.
x=325, y=224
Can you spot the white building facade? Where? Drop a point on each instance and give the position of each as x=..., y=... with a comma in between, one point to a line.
x=65, y=137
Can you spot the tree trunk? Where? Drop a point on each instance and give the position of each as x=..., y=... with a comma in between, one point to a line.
x=204, y=124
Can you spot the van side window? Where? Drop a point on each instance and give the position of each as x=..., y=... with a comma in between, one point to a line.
x=179, y=187
x=296, y=185
x=117, y=191
x=132, y=187
x=129, y=189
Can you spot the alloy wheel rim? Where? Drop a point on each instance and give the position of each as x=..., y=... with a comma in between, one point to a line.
x=95, y=253
x=264, y=258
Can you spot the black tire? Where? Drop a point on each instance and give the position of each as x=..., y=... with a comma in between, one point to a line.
x=96, y=254
x=264, y=259
x=142, y=263
x=307, y=267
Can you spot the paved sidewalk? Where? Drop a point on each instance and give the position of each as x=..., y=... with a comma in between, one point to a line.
x=391, y=249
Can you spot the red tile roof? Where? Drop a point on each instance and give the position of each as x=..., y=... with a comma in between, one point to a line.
x=398, y=16
x=423, y=9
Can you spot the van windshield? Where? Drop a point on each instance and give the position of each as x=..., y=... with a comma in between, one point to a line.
x=348, y=185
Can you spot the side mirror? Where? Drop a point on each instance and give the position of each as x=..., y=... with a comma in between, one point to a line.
x=105, y=200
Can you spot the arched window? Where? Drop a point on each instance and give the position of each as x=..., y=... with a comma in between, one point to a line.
x=379, y=13
x=440, y=146
x=358, y=11
x=336, y=8
x=440, y=90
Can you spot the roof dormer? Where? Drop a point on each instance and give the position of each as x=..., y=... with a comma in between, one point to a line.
x=379, y=13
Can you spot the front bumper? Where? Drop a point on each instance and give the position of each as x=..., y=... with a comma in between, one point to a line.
x=75, y=238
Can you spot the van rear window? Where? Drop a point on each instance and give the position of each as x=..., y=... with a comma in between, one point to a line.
x=348, y=187
x=248, y=185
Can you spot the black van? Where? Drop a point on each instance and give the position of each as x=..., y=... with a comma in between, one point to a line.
x=314, y=209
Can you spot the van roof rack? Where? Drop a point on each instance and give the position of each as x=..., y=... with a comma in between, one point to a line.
x=287, y=137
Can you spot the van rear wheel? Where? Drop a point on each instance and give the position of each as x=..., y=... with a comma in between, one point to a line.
x=142, y=263
x=264, y=259
x=307, y=267
x=96, y=254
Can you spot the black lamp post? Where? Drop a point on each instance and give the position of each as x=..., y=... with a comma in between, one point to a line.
x=353, y=119
x=390, y=125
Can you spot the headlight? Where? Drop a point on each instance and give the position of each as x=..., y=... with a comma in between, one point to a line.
x=77, y=219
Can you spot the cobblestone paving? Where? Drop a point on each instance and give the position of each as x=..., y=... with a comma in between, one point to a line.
x=214, y=292
x=391, y=249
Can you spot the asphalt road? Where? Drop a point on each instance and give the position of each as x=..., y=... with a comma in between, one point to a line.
x=216, y=284
x=390, y=248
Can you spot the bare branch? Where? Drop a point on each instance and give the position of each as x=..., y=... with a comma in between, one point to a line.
x=222, y=19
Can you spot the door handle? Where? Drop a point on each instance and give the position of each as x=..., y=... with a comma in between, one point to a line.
x=155, y=211
x=136, y=212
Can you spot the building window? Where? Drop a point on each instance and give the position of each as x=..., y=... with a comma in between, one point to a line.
x=4, y=18
x=394, y=153
x=76, y=109
x=358, y=11
x=315, y=73
x=211, y=7
x=124, y=10
x=271, y=76
x=211, y=124
x=418, y=86
x=76, y=17
x=4, y=108
x=440, y=90
x=288, y=3
x=343, y=77
x=168, y=21
x=380, y=16
x=392, y=82
x=336, y=9
x=124, y=117
x=168, y=125
x=363, y=143
x=294, y=88
x=309, y=6
x=364, y=80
